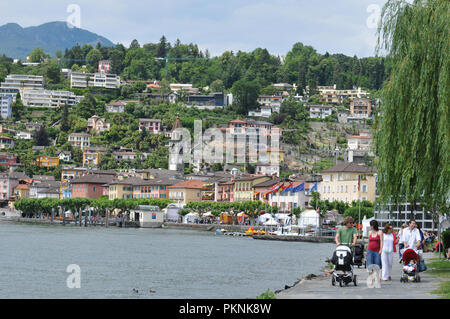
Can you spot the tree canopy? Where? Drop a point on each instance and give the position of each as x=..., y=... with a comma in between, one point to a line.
x=413, y=125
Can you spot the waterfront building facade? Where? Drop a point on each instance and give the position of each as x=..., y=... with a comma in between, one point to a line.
x=348, y=182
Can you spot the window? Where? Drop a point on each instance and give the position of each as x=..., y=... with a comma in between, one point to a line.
x=364, y=188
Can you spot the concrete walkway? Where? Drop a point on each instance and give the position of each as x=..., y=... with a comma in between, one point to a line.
x=320, y=287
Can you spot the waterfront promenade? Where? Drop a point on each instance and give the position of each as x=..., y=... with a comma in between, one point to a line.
x=320, y=287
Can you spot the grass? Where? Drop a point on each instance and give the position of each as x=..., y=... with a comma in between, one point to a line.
x=267, y=295
x=441, y=268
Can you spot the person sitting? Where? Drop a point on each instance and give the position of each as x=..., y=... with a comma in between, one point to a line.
x=410, y=268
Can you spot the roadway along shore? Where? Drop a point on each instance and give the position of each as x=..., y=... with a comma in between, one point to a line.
x=320, y=287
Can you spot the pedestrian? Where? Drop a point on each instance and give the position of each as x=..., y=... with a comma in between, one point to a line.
x=422, y=239
x=373, y=256
x=347, y=234
x=411, y=236
x=387, y=255
x=375, y=244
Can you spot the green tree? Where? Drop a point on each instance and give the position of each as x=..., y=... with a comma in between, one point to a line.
x=38, y=55
x=41, y=137
x=413, y=142
x=245, y=95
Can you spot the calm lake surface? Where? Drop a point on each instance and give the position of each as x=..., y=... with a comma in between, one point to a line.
x=174, y=263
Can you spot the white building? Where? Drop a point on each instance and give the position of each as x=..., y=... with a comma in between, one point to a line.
x=24, y=135
x=285, y=201
x=5, y=105
x=397, y=215
x=116, y=107
x=264, y=111
x=320, y=111
x=47, y=98
x=83, y=80
x=362, y=142
x=65, y=156
x=80, y=140
x=15, y=82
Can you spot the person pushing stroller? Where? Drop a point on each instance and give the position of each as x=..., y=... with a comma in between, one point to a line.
x=347, y=234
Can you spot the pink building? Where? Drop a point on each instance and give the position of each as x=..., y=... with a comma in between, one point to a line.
x=104, y=66
x=91, y=185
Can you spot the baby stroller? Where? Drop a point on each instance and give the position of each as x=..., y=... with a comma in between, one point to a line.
x=410, y=273
x=343, y=266
x=358, y=256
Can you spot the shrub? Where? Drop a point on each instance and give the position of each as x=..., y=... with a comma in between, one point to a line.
x=266, y=295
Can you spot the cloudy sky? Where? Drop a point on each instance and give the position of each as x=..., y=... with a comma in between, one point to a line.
x=343, y=26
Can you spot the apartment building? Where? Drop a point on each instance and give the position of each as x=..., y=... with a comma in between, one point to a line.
x=329, y=94
x=361, y=108
x=5, y=106
x=80, y=140
x=14, y=82
x=48, y=98
x=83, y=80
x=243, y=186
x=90, y=185
x=187, y=191
x=348, y=182
x=91, y=156
x=320, y=111
x=136, y=187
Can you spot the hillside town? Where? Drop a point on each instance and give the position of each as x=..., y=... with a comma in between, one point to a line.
x=273, y=182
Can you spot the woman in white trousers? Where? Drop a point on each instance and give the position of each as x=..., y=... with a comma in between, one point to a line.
x=387, y=255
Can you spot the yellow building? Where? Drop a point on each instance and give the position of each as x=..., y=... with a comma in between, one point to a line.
x=243, y=187
x=340, y=183
x=91, y=155
x=121, y=189
x=187, y=191
x=47, y=161
x=21, y=191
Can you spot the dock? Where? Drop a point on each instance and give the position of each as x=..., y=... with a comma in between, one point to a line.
x=309, y=239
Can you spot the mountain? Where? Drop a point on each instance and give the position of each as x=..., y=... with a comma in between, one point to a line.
x=18, y=42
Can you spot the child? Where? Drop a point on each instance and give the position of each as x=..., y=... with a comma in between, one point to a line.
x=410, y=268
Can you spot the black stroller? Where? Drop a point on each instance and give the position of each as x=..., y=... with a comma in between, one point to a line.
x=343, y=266
x=358, y=256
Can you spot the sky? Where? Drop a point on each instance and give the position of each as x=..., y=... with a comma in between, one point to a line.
x=334, y=26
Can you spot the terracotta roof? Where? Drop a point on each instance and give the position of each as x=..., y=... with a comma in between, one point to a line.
x=22, y=186
x=189, y=184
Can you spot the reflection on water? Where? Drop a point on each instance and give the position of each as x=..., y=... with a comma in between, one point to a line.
x=148, y=263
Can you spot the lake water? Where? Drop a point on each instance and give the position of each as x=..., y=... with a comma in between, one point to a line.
x=173, y=263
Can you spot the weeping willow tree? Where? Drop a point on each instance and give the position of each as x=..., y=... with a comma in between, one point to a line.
x=413, y=125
